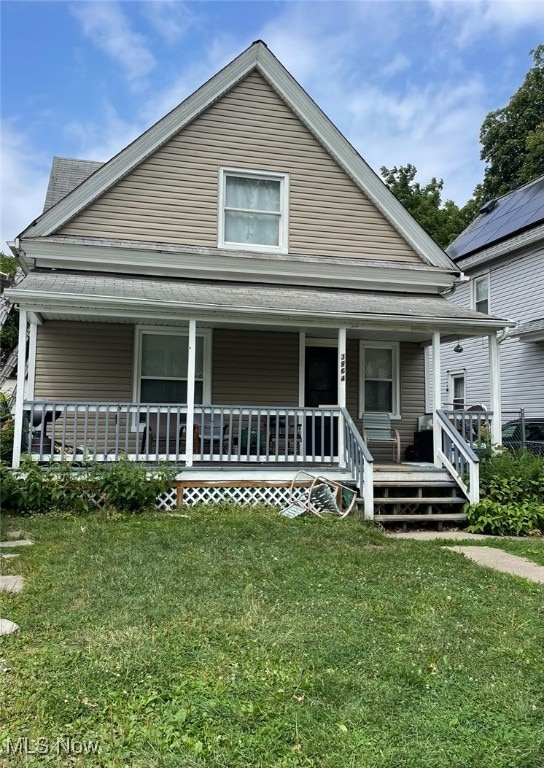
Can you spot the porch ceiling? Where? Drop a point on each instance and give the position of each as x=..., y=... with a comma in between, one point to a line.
x=100, y=296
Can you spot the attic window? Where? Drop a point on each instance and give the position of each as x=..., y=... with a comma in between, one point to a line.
x=253, y=209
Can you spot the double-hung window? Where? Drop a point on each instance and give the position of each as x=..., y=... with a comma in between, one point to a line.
x=379, y=390
x=457, y=387
x=481, y=294
x=161, y=367
x=253, y=210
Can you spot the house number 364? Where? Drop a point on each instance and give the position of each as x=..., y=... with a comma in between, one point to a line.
x=342, y=367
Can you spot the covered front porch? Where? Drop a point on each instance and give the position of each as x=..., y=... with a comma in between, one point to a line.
x=265, y=383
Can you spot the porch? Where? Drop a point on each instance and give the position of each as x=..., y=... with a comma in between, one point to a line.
x=257, y=379
x=244, y=446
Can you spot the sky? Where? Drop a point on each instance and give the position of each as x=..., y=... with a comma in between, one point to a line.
x=406, y=81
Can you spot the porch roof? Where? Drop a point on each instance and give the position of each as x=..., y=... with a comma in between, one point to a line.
x=103, y=294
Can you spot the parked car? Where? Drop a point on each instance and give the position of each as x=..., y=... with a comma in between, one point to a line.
x=534, y=435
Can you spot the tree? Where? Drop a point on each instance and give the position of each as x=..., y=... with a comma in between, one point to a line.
x=443, y=221
x=512, y=138
x=9, y=332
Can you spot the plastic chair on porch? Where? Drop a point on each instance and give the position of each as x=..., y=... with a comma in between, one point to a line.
x=377, y=429
x=210, y=433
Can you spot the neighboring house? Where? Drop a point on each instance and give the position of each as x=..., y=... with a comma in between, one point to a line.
x=502, y=254
x=238, y=275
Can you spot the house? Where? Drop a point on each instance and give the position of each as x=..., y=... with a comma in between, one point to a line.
x=502, y=254
x=232, y=292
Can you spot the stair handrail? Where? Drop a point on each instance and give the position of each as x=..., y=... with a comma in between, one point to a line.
x=456, y=454
x=360, y=462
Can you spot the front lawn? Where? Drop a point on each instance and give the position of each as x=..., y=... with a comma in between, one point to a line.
x=238, y=639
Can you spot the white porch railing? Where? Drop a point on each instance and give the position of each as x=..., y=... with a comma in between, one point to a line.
x=457, y=456
x=359, y=461
x=78, y=432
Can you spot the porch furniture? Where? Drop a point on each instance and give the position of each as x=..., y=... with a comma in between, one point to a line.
x=210, y=433
x=320, y=496
x=424, y=446
x=377, y=429
x=285, y=436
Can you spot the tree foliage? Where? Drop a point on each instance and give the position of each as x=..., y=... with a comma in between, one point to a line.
x=9, y=332
x=512, y=138
x=443, y=221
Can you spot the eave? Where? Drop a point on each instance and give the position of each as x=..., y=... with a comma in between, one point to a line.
x=128, y=257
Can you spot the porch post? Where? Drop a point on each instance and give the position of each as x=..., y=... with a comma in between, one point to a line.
x=20, y=394
x=191, y=365
x=31, y=377
x=495, y=389
x=301, y=367
x=341, y=392
x=437, y=396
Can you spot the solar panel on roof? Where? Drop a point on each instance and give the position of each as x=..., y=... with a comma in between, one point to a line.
x=512, y=213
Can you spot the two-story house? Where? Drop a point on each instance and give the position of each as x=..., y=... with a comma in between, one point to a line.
x=234, y=292
x=502, y=254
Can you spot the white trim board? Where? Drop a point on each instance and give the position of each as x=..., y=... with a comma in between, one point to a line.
x=237, y=265
x=257, y=57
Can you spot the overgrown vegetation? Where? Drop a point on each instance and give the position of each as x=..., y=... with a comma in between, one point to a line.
x=123, y=485
x=512, y=495
x=232, y=637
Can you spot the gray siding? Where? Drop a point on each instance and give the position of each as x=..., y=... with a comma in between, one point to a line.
x=88, y=362
x=173, y=195
x=517, y=293
x=255, y=368
x=412, y=394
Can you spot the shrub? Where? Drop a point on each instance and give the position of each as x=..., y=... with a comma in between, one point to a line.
x=521, y=519
x=122, y=485
x=512, y=491
x=127, y=487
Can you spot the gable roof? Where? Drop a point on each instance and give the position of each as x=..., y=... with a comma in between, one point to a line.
x=67, y=173
x=258, y=57
x=508, y=216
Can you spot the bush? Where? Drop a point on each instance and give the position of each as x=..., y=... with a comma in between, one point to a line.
x=123, y=485
x=512, y=495
x=127, y=487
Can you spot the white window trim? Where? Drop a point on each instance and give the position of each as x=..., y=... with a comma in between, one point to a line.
x=205, y=334
x=394, y=346
x=486, y=275
x=283, y=178
x=452, y=375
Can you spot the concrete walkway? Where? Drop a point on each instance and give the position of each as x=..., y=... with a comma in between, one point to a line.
x=436, y=535
x=499, y=560
x=11, y=583
x=489, y=557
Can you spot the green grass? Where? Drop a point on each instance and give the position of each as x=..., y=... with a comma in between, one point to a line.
x=236, y=639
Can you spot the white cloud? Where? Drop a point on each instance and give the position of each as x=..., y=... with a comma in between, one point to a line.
x=24, y=175
x=399, y=64
x=429, y=122
x=475, y=18
x=170, y=18
x=105, y=24
x=104, y=138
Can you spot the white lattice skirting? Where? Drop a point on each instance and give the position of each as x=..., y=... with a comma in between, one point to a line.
x=252, y=494
x=202, y=494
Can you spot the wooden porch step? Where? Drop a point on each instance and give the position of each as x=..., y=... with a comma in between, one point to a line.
x=419, y=500
x=415, y=483
x=429, y=518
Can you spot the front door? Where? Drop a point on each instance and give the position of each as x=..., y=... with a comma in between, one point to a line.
x=321, y=377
